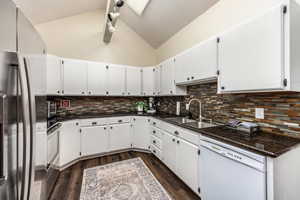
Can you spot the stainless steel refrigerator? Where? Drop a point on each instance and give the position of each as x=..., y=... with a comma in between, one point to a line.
x=20, y=179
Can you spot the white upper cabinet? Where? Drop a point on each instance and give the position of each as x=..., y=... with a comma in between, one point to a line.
x=149, y=78
x=116, y=80
x=54, y=75
x=75, y=77
x=260, y=55
x=97, y=79
x=167, y=79
x=134, y=81
x=198, y=64
x=37, y=69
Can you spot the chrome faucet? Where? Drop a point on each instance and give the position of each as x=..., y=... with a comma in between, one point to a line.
x=200, y=107
x=200, y=110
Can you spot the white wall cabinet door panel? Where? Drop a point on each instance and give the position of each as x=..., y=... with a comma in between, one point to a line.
x=141, y=133
x=167, y=77
x=157, y=80
x=97, y=78
x=169, y=151
x=187, y=163
x=116, y=80
x=198, y=63
x=149, y=85
x=69, y=142
x=120, y=136
x=54, y=75
x=37, y=68
x=251, y=55
x=94, y=140
x=75, y=77
x=133, y=81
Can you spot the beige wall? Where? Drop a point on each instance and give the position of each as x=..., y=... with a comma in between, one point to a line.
x=220, y=17
x=81, y=36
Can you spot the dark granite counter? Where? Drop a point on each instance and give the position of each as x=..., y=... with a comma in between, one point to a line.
x=263, y=143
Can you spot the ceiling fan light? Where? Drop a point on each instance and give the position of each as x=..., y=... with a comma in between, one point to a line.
x=113, y=15
x=111, y=28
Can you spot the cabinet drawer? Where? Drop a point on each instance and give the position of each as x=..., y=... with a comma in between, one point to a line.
x=189, y=136
x=155, y=151
x=156, y=132
x=118, y=120
x=93, y=122
x=156, y=142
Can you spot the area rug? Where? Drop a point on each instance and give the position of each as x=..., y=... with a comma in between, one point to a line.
x=125, y=180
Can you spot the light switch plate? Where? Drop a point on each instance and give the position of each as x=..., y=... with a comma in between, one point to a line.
x=259, y=113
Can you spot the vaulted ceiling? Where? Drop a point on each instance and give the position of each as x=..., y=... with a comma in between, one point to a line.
x=160, y=20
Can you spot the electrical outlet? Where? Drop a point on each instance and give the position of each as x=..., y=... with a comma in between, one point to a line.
x=259, y=113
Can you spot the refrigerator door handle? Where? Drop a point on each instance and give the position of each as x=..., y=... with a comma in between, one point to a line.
x=27, y=128
x=3, y=140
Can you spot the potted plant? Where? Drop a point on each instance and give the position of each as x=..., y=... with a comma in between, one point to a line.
x=141, y=106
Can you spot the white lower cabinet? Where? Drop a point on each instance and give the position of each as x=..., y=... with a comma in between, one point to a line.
x=94, y=140
x=187, y=163
x=169, y=150
x=141, y=133
x=70, y=141
x=120, y=136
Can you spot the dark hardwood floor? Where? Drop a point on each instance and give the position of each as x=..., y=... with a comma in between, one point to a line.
x=68, y=185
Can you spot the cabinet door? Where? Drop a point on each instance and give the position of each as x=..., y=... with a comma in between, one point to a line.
x=120, y=136
x=149, y=81
x=251, y=55
x=69, y=142
x=8, y=27
x=54, y=75
x=37, y=69
x=75, y=77
x=97, y=78
x=169, y=150
x=187, y=163
x=167, y=77
x=157, y=80
x=134, y=81
x=141, y=133
x=94, y=140
x=198, y=63
x=116, y=80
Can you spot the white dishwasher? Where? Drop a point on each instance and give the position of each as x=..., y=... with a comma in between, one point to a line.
x=230, y=173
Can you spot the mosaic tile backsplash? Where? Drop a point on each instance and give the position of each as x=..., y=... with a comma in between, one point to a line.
x=282, y=110
x=97, y=105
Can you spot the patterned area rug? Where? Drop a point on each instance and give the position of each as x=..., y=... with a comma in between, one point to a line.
x=125, y=180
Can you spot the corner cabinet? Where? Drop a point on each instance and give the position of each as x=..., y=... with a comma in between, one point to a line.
x=54, y=75
x=141, y=133
x=198, y=64
x=133, y=81
x=120, y=136
x=261, y=54
x=167, y=79
x=116, y=80
x=149, y=81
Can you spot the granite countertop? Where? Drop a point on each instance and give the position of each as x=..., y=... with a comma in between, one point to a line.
x=263, y=143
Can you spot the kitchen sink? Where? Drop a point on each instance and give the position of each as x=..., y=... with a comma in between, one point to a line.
x=200, y=124
x=181, y=120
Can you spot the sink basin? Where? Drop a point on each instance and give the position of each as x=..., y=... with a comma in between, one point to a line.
x=200, y=124
x=181, y=120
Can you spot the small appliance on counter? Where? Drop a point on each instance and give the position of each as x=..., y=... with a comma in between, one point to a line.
x=151, y=109
x=250, y=129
